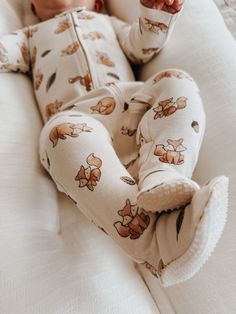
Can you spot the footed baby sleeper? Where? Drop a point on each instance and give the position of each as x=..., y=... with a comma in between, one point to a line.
x=123, y=151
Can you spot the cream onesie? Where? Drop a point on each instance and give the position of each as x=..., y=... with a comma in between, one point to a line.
x=123, y=151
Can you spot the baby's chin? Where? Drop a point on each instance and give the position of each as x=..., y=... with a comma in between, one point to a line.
x=47, y=16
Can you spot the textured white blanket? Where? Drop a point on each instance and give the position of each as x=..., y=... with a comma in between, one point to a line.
x=228, y=10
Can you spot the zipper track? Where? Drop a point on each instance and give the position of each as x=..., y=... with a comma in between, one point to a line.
x=88, y=69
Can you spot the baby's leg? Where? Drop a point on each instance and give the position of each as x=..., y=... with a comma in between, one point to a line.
x=77, y=151
x=169, y=137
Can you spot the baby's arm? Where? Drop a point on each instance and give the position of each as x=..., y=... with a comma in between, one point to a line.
x=146, y=37
x=14, y=52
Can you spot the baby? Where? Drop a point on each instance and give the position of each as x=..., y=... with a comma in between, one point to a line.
x=123, y=151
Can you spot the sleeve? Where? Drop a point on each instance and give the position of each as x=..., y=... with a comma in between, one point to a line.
x=14, y=52
x=146, y=37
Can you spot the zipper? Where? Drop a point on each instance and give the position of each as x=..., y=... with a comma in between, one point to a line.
x=82, y=56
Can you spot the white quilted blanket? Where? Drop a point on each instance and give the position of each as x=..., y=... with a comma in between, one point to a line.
x=228, y=10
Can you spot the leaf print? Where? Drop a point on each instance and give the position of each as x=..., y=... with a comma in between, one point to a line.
x=94, y=36
x=114, y=75
x=62, y=27
x=70, y=49
x=45, y=53
x=104, y=59
x=195, y=126
x=51, y=80
x=128, y=180
x=180, y=219
x=126, y=106
x=140, y=26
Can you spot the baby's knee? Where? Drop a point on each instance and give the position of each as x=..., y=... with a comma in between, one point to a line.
x=68, y=133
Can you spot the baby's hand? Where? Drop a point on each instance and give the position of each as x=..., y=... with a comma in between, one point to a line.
x=171, y=6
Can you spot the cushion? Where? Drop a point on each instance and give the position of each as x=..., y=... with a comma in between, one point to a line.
x=52, y=260
x=202, y=45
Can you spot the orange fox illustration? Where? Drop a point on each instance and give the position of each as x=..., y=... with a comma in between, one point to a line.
x=171, y=153
x=167, y=107
x=156, y=27
x=67, y=129
x=52, y=108
x=71, y=49
x=88, y=177
x=105, y=106
x=62, y=27
x=134, y=221
x=169, y=74
x=84, y=80
x=104, y=59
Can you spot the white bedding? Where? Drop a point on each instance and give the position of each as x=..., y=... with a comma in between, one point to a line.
x=74, y=269
x=228, y=11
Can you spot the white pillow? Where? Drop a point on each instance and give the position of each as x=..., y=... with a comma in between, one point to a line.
x=78, y=270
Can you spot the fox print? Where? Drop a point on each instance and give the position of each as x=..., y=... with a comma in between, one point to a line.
x=156, y=27
x=85, y=81
x=171, y=153
x=52, y=108
x=133, y=221
x=105, y=106
x=167, y=107
x=88, y=177
x=63, y=130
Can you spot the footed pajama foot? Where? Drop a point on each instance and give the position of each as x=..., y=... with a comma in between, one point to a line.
x=188, y=236
x=164, y=190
